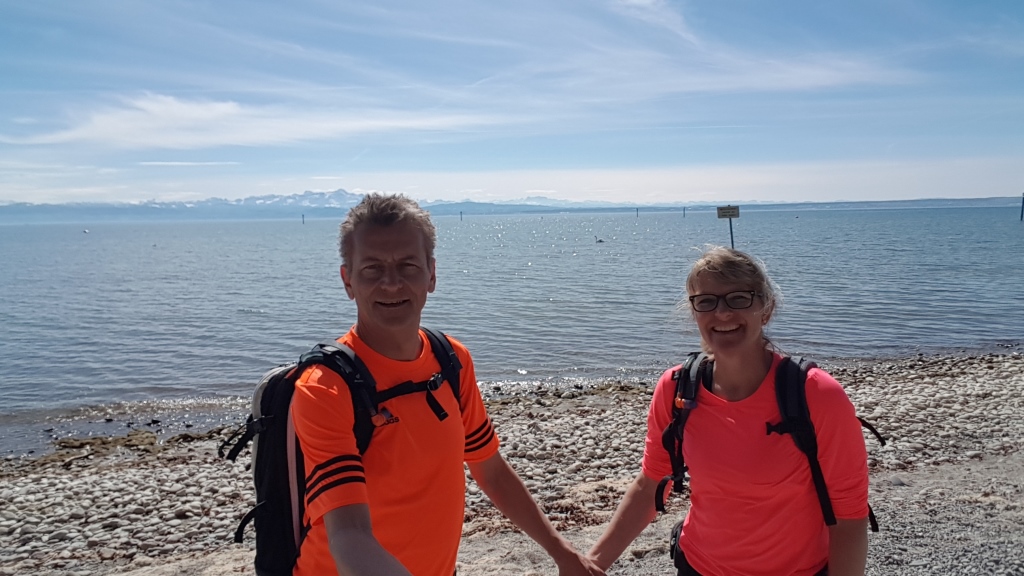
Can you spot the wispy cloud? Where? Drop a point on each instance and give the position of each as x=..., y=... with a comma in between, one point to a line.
x=658, y=13
x=998, y=44
x=390, y=87
x=50, y=170
x=188, y=163
x=732, y=183
x=160, y=121
x=495, y=69
x=751, y=182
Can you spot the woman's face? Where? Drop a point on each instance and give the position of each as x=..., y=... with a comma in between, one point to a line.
x=733, y=326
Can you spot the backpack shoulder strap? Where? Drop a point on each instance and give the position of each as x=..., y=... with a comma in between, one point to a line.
x=342, y=360
x=791, y=395
x=693, y=374
x=451, y=367
x=278, y=466
x=687, y=378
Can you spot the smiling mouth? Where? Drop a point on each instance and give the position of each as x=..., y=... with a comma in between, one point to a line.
x=391, y=304
x=726, y=329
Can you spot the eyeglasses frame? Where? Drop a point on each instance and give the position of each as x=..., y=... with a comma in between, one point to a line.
x=722, y=298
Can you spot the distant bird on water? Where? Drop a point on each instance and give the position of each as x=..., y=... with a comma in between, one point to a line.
x=598, y=239
x=86, y=231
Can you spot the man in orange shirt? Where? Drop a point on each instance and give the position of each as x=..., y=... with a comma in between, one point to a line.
x=398, y=508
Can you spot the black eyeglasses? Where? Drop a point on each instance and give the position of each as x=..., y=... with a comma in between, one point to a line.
x=739, y=300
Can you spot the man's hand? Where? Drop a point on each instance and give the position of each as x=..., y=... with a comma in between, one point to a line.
x=577, y=564
x=508, y=494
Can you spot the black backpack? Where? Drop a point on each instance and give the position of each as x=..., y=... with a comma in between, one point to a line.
x=277, y=464
x=791, y=395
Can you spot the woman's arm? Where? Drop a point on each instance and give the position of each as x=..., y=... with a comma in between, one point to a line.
x=843, y=459
x=848, y=547
x=634, y=513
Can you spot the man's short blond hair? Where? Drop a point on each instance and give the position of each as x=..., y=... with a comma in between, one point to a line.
x=385, y=210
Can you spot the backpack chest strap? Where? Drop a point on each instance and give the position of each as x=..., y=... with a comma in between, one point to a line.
x=430, y=385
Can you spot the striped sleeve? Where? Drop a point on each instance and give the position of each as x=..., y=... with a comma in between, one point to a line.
x=323, y=418
x=481, y=438
x=332, y=473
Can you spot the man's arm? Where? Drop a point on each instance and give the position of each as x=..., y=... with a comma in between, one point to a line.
x=508, y=493
x=633, y=514
x=848, y=547
x=354, y=547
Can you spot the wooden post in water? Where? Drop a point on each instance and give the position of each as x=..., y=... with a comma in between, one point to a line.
x=303, y=218
x=460, y=215
x=684, y=211
x=637, y=212
x=1022, y=207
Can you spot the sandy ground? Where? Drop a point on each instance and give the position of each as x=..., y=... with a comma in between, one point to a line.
x=948, y=490
x=951, y=519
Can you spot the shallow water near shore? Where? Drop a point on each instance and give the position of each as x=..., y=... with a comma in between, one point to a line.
x=176, y=321
x=29, y=434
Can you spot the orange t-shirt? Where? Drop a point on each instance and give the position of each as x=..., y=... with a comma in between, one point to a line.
x=753, y=507
x=412, y=475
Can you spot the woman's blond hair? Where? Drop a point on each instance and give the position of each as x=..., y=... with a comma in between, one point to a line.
x=731, y=266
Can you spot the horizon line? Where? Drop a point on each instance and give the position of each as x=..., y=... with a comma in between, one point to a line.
x=515, y=202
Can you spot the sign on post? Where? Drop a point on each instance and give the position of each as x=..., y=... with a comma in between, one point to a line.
x=729, y=212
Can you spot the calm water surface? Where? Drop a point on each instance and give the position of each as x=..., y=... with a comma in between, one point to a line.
x=193, y=313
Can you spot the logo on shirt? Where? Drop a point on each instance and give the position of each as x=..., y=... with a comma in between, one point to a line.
x=384, y=417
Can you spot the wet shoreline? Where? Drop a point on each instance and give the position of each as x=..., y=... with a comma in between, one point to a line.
x=30, y=434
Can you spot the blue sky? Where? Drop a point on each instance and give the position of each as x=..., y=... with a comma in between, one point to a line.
x=627, y=100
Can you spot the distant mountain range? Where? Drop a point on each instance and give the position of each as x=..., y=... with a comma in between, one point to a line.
x=335, y=204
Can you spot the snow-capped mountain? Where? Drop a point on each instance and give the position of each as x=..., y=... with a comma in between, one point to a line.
x=335, y=199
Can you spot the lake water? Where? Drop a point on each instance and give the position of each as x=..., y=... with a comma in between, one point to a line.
x=184, y=317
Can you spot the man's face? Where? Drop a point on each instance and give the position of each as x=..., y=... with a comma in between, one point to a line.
x=389, y=276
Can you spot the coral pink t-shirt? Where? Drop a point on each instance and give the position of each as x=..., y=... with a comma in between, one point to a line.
x=753, y=507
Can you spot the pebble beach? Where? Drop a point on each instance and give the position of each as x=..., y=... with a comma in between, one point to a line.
x=948, y=488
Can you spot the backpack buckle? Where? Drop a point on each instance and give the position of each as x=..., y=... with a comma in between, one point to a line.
x=682, y=403
x=435, y=382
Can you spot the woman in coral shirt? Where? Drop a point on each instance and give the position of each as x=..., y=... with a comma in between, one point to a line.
x=754, y=509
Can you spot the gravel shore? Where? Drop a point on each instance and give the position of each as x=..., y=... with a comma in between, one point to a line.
x=948, y=489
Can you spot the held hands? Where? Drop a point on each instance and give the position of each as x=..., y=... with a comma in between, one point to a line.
x=574, y=563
